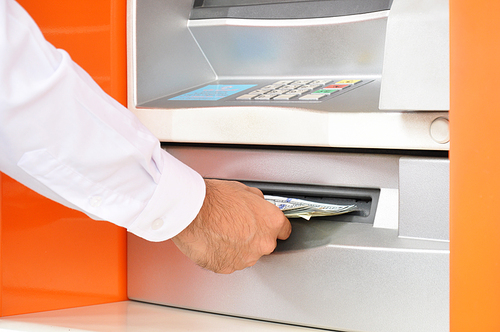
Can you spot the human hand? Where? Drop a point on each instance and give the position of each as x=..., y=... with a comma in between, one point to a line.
x=233, y=229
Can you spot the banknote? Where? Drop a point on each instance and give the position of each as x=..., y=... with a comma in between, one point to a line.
x=299, y=208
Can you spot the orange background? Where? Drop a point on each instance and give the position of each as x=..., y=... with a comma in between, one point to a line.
x=53, y=257
x=475, y=165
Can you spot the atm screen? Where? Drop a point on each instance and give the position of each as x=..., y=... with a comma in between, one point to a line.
x=219, y=3
x=284, y=9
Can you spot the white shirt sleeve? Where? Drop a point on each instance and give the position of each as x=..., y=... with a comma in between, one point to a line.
x=63, y=137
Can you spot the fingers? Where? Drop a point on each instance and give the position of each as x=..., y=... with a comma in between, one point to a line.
x=285, y=230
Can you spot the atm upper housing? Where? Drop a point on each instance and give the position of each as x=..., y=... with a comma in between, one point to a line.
x=401, y=46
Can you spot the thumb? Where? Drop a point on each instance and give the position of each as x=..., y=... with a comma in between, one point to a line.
x=286, y=229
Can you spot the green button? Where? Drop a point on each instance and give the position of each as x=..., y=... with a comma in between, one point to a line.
x=327, y=91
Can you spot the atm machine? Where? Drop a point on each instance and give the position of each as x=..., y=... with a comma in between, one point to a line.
x=320, y=99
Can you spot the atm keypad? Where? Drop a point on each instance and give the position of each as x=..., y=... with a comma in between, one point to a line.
x=298, y=90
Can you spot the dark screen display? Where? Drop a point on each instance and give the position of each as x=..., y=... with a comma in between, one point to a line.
x=284, y=9
x=232, y=3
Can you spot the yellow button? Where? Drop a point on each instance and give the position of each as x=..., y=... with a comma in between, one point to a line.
x=348, y=82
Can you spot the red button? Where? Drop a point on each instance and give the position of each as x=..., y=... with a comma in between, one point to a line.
x=336, y=86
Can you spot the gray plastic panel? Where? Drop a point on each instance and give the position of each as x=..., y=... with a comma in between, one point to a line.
x=424, y=186
x=299, y=48
x=417, y=49
x=169, y=53
x=346, y=276
x=287, y=9
x=165, y=56
x=288, y=166
x=342, y=276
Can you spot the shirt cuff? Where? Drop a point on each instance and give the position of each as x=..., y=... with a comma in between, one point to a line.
x=174, y=205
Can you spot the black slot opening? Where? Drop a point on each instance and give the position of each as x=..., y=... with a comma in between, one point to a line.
x=365, y=198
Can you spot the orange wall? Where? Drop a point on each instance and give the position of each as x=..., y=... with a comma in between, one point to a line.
x=53, y=257
x=475, y=165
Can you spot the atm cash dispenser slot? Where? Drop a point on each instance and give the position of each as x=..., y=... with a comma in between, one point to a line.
x=365, y=199
x=318, y=231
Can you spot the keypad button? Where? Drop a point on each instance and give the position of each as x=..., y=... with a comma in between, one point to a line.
x=282, y=90
x=246, y=97
x=316, y=96
x=272, y=86
x=294, y=85
x=326, y=91
x=311, y=86
x=348, y=82
x=284, y=82
x=266, y=96
x=320, y=82
x=284, y=97
x=256, y=92
x=337, y=86
x=302, y=81
x=293, y=92
x=303, y=89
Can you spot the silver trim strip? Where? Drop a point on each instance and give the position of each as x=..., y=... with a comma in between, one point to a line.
x=289, y=22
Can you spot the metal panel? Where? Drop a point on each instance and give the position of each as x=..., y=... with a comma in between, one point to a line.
x=353, y=278
x=340, y=275
x=424, y=187
x=288, y=166
x=165, y=59
x=163, y=55
x=352, y=45
x=416, y=61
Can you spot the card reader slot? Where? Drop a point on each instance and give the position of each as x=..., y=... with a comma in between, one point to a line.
x=365, y=198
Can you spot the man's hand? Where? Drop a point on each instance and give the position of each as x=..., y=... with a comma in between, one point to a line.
x=233, y=229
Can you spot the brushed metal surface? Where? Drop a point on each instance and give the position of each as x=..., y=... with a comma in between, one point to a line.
x=339, y=275
x=288, y=166
x=358, y=278
x=416, y=61
x=169, y=54
x=424, y=197
x=165, y=56
x=293, y=48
